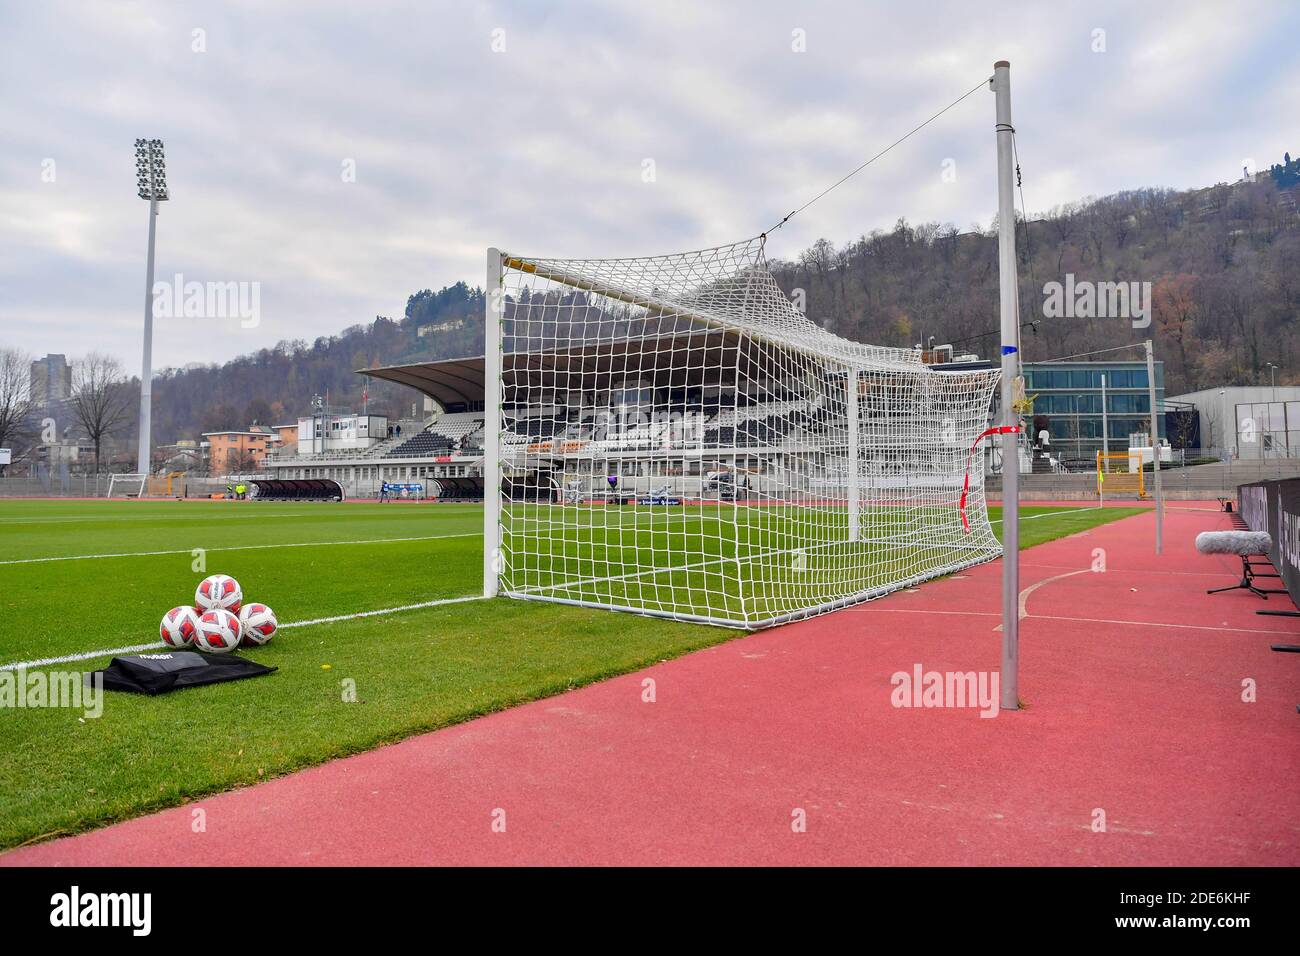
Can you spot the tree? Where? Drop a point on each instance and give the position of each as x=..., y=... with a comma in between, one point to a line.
x=221, y=418
x=101, y=398
x=15, y=402
x=1175, y=308
x=240, y=461
x=258, y=412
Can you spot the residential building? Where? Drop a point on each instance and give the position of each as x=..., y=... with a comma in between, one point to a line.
x=240, y=452
x=51, y=380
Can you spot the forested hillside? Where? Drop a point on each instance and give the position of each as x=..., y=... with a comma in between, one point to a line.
x=1223, y=263
x=275, y=385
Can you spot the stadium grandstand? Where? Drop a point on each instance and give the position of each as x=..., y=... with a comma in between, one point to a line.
x=440, y=456
x=611, y=421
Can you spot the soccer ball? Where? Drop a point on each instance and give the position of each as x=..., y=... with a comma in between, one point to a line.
x=218, y=591
x=218, y=632
x=180, y=626
x=257, y=623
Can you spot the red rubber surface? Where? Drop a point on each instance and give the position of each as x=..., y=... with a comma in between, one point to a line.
x=1133, y=680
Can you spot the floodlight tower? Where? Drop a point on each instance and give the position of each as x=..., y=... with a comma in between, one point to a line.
x=151, y=178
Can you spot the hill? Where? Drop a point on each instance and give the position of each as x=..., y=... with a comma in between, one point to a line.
x=1223, y=264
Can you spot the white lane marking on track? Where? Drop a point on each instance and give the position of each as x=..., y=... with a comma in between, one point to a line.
x=881, y=609
x=239, y=547
x=110, y=651
x=1025, y=592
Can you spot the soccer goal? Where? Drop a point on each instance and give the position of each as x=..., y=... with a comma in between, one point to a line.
x=672, y=436
x=127, y=486
x=1120, y=473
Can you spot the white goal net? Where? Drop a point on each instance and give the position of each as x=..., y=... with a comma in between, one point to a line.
x=677, y=439
x=131, y=485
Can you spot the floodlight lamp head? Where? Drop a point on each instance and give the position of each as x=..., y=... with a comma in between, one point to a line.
x=151, y=170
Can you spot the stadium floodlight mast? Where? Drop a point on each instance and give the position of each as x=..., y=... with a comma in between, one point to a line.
x=151, y=180
x=1010, y=678
x=1155, y=447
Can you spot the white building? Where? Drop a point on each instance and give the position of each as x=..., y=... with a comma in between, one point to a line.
x=322, y=433
x=1262, y=421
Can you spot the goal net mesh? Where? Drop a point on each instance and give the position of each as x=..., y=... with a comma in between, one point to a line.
x=678, y=439
x=127, y=486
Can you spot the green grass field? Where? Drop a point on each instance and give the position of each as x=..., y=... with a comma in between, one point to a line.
x=77, y=577
x=735, y=566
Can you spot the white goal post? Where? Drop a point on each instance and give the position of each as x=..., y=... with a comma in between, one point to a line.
x=671, y=436
x=132, y=485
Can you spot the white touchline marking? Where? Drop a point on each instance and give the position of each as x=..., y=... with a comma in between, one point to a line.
x=387, y=610
x=239, y=547
x=1046, y=514
x=110, y=651
x=84, y=656
x=114, y=518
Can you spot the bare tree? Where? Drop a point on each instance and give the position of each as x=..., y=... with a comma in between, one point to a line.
x=101, y=398
x=15, y=402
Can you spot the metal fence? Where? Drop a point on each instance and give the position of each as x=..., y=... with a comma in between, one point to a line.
x=96, y=486
x=55, y=486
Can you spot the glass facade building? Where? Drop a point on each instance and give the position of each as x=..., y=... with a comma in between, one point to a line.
x=1069, y=396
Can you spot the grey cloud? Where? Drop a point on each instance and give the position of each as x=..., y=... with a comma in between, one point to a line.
x=539, y=149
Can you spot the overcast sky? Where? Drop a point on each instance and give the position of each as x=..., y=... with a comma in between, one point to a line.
x=477, y=124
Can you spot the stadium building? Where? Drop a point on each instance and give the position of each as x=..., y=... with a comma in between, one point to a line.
x=440, y=456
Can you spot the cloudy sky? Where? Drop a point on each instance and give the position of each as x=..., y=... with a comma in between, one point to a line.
x=530, y=126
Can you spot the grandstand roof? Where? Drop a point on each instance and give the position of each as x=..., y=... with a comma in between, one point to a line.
x=714, y=354
x=447, y=382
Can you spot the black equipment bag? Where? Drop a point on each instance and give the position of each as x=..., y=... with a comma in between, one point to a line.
x=172, y=670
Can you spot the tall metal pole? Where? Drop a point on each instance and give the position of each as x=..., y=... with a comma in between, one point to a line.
x=1223, y=401
x=1155, y=450
x=1010, y=678
x=1105, y=426
x=1105, y=445
x=495, y=302
x=146, y=361
x=851, y=399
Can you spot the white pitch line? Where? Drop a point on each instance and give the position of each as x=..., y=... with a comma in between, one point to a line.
x=239, y=547
x=84, y=656
x=158, y=517
x=387, y=610
x=1045, y=514
x=110, y=651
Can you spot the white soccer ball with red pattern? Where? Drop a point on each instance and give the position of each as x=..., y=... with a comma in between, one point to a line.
x=180, y=626
x=218, y=591
x=218, y=632
x=258, y=622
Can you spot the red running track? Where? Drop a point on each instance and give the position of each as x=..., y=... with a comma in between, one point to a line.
x=1132, y=677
